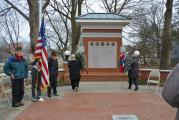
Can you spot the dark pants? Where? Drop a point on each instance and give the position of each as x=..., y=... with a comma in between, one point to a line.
x=17, y=90
x=75, y=83
x=53, y=84
x=133, y=80
x=36, y=78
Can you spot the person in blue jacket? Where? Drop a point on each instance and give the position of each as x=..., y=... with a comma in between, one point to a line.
x=16, y=67
x=10, y=58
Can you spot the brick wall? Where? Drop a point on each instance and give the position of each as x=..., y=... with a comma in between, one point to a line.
x=115, y=76
x=144, y=73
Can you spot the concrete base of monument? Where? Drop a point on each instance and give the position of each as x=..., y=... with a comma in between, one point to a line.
x=96, y=74
x=113, y=75
x=100, y=77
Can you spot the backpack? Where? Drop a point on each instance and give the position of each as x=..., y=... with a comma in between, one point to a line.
x=171, y=88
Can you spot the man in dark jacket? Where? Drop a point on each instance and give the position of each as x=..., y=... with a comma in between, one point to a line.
x=133, y=73
x=74, y=69
x=53, y=71
x=17, y=69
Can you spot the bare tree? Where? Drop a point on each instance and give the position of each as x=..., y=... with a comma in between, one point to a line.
x=70, y=9
x=10, y=30
x=4, y=11
x=175, y=22
x=60, y=33
x=115, y=6
x=32, y=18
x=119, y=6
x=166, y=40
x=145, y=29
x=88, y=6
x=149, y=21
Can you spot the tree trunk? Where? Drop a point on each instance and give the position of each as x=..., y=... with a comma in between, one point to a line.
x=75, y=28
x=75, y=40
x=167, y=41
x=33, y=22
x=158, y=48
x=33, y=19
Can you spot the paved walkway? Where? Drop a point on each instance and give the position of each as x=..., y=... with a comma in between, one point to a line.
x=94, y=101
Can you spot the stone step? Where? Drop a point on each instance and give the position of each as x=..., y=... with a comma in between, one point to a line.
x=100, y=77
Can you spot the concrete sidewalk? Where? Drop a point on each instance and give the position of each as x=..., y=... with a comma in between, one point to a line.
x=88, y=89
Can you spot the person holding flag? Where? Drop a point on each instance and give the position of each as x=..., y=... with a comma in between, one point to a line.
x=42, y=56
x=36, y=82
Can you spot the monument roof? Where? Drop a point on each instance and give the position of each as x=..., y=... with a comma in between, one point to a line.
x=103, y=16
x=102, y=19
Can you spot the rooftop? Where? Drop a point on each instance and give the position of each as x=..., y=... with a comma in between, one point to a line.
x=103, y=16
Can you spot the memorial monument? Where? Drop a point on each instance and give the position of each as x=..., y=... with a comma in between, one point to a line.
x=101, y=35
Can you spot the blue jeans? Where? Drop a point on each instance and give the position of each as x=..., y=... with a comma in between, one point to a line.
x=36, y=76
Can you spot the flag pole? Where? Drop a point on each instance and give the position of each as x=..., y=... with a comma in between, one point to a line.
x=40, y=20
x=40, y=13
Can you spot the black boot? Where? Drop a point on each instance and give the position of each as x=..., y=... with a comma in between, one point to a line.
x=15, y=105
x=136, y=89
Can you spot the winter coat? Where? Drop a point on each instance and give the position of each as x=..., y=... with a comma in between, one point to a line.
x=53, y=66
x=74, y=69
x=134, y=71
x=128, y=62
x=170, y=89
x=18, y=68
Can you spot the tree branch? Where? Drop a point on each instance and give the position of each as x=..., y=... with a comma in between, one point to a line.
x=45, y=4
x=60, y=12
x=6, y=10
x=123, y=5
x=17, y=9
x=59, y=36
x=106, y=5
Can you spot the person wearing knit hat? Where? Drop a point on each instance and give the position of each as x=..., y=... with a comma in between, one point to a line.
x=74, y=69
x=53, y=72
x=72, y=57
x=17, y=70
x=133, y=72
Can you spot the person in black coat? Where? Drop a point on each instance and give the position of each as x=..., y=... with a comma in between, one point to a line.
x=53, y=71
x=74, y=69
x=133, y=73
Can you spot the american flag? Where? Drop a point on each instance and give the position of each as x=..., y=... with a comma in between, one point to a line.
x=42, y=55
